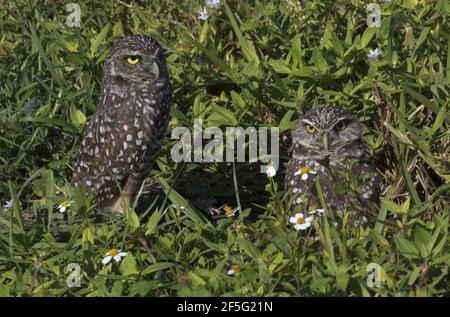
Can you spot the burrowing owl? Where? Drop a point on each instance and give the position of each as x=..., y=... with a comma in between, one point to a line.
x=124, y=135
x=328, y=145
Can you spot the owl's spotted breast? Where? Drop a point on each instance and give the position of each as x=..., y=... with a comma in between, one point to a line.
x=126, y=132
x=328, y=149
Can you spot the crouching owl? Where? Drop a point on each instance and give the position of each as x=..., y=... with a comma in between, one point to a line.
x=328, y=146
x=124, y=136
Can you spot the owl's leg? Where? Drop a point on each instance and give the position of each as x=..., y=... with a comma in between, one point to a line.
x=128, y=193
x=118, y=204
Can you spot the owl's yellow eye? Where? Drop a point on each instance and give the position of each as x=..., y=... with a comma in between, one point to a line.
x=341, y=125
x=310, y=129
x=133, y=60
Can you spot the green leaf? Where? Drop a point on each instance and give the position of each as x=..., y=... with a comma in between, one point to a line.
x=279, y=66
x=66, y=126
x=391, y=206
x=237, y=99
x=249, y=248
x=142, y=287
x=156, y=267
x=77, y=117
x=409, y=183
x=222, y=116
x=17, y=210
x=49, y=196
x=197, y=279
x=180, y=116
x=318, y=60
x=448, y=59
x=439, y=121
x=152, y=223
x=421, y=235
x=286, y=123
x=367, y=36
x=199, y=105
x=4, y=291
x=148, y=21
x=342, y=280
x=406, y=247
x=181, y=203
x=414, y=275
x=133, y=219
x=337, y=44
x=99, y=39
x=425, y=101
x=247, y=46
x=87, y=237
x=232, y=74
x=204, y=32
x=422, y=37
x=128, y=265
x=380, y=219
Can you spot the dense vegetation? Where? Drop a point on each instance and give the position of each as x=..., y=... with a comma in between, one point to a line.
x=250, y=63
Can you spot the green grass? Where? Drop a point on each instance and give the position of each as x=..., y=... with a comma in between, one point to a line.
x=253, y=63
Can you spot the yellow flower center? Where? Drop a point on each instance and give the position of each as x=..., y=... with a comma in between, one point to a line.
x=228, y=210
x=300, y=221
x=235, y=267
x=113, y=252
x=65, y=203
x=304, y=170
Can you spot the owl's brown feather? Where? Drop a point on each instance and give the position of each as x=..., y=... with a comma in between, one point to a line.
x=339, y=160
x=125, y=134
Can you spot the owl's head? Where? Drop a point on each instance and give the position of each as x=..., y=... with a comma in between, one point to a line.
x=136, y=59
x=326, y=129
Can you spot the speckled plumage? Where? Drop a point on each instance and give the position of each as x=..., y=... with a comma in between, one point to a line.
x=125, y=134
x=330, y=153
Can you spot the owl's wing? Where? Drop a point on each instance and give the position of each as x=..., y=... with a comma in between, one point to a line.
x=361, y=193
x=109, y=153
x=369, y=193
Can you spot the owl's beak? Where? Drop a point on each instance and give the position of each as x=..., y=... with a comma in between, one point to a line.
x=325, y=140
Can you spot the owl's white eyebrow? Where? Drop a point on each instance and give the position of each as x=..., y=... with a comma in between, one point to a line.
x=133, y=53
x=307, y=122
x=343, y=119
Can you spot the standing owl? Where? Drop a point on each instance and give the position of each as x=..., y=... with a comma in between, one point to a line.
x=328, y=145
x=125, y=133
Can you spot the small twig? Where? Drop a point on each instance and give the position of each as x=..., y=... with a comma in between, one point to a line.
x=236, y=190
x=145, y=245
x=124, y=4
x=37, y=267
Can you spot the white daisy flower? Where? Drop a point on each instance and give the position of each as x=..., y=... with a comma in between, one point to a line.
x=270, y=169
x=230, y=212
x=9, y=204
x=304, y=172
x=64, y=205
x=115, y=254
x=300, y=222
x=374, y=54
x=235, y=268
x=203, y=15
x=212, y=3
x=318, y=211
